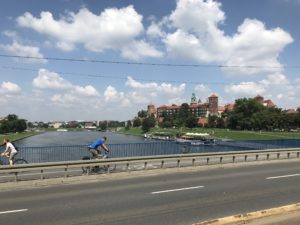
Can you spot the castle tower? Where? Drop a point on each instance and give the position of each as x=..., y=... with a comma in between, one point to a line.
x=213, y=102
x=151, y=110
x=193, y=99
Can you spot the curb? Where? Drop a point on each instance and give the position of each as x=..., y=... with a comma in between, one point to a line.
x=247, y=217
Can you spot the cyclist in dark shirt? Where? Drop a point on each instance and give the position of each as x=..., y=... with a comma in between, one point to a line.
x=93, y=148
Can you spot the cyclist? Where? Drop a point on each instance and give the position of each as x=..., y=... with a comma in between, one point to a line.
x=93, y=148
x=10, y=151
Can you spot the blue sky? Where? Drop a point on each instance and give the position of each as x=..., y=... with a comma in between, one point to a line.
x=256, y=41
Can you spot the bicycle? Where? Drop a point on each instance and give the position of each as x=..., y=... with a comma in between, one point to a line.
x=96, y=169
x=16, y=161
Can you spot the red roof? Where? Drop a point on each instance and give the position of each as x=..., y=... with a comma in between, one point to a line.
x=169, y=107
x=291, y=111
x=203, y=120
x=213, y=96
x=259, y=97
x=195, y=106
x=229, y=106
x=269, y=102
x=221, y=108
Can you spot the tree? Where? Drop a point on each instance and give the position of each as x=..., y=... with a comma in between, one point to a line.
x=212, y=121
x=137, y=122
x=12, y=117
x=12, y=124
x=183, y=114
x=103, y=125
x=167, y=121
x=148, y=123
x=220, y=122
x=142, y=114
x=128, y=125
x=191, y=121
x=240, y=116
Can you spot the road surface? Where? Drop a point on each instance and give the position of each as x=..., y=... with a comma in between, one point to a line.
x=179, y=198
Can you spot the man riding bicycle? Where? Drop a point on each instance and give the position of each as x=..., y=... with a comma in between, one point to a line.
x=10, y=151
x=93, y=148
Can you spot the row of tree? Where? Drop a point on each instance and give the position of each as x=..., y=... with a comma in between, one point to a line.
x=12, y=124
x=142, y=120
x=248, y=114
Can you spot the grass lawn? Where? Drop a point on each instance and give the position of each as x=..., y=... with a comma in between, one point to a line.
x=17, y=136
x=222, y=133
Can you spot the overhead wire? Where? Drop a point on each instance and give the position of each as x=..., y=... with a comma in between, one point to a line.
x=148, y=63
x=122, y=78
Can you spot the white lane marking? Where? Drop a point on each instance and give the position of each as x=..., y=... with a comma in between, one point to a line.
x=13, y=211
x=180, y=189
x=284, y=176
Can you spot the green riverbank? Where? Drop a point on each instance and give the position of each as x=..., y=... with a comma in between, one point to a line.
x=17, y=136
x=221, y=133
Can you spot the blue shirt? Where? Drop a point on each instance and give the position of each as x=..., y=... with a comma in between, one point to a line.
x=96, y=144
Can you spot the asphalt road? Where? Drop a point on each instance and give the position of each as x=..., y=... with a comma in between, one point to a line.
x=165, y=199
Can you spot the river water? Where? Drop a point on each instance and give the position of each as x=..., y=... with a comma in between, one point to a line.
x=64, y=146
x=76, y=138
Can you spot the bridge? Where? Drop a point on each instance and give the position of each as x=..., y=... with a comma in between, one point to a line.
x=177, y=189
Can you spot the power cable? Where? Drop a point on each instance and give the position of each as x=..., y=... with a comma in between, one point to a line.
x=147, y=64
x=122, y=78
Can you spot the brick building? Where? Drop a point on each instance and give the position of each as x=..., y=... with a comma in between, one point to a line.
x=200, y=110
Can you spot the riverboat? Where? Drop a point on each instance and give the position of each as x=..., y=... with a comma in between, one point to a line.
x=160, y=136
x=62, y=130
x=196, y=139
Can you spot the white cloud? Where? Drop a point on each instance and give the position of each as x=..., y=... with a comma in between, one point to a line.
x=66, y=100
x=162, y=88
x=245, y=89
x=111, y=94
x=139, y=49
x=25, y=51
x=86, y=91
x=155, y=30
x=142, y=93
x=203, y=91
x=10, y=33
x=197, y=16
x=65, y=46
x=50, y=80
x=116, y=29
x=197, y=37
x=176, y=101
x=276, y=87
x=9, y=88
x=69, y=95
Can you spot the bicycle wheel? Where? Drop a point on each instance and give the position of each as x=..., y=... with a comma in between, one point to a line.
x=20, y=161
x=86, y=169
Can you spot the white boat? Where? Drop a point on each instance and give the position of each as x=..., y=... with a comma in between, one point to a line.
x=160, y=136
x=62, y=130
x=196, y=139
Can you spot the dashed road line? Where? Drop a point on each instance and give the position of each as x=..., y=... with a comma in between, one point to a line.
x=283, y=176
x=173, y=190
x=13, y=211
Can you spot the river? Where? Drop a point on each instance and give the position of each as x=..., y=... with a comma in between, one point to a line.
x=76, y=138
x=64, y=146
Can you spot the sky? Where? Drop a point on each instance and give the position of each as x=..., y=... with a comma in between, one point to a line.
x=69, y=60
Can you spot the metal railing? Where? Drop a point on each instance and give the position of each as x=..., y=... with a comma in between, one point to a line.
x=77, y=152
x=151, y=162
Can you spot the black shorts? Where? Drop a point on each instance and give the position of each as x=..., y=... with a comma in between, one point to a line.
x=95, y=152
